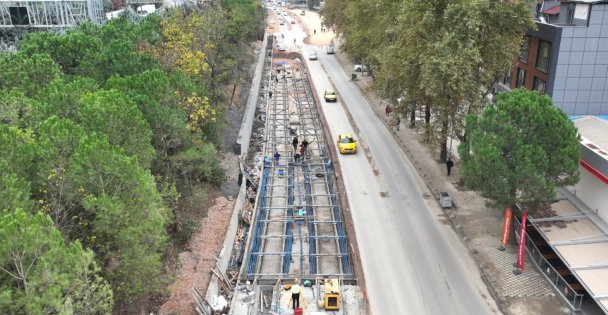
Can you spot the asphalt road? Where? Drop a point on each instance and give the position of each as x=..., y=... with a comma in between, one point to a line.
x=413, y=261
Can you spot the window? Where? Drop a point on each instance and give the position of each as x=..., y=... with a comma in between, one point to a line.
x=521, y=76
x=539, y=85
x=525, y=48
x=542, y=59
x=570, y=14
x=507, y=79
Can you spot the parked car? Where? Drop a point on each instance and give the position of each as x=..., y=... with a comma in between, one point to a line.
x=312, y=56
x=293, y=22
x=282, y=48
x=360, y=68
x=347, y=144
x=330, y=96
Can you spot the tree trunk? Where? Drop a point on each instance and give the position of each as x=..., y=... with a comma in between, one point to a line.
x=413, y=117
x=444, y=142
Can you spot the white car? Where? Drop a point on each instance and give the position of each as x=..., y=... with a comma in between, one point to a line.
x=282, y=48
x=360, y=68
x=312, y=56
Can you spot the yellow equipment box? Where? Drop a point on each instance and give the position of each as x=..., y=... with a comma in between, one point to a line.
x=332, y=295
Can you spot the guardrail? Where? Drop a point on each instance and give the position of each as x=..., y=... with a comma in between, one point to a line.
x=559, y=284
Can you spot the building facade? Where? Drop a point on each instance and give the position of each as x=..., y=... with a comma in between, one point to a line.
x=567, y=56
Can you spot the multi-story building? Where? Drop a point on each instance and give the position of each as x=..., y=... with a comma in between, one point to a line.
x=566, y=57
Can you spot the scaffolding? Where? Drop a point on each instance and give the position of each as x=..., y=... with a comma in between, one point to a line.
x=49, y=13
x=298, y=230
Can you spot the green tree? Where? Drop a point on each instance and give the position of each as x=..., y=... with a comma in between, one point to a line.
x=519, y=150
x=128, y=220
x=40, y=274
x=62, y=98
x=154, y=92
x=15, y=108
x=443, y=54
x=18, y=149
x=14, y=190
x=115, y=115
x=67, y=50
x=58, y=139
x=28, y=73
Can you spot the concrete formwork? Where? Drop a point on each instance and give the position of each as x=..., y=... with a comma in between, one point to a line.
x=298, y=230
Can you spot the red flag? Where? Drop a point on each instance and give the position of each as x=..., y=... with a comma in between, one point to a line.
x=506, y=228
x=522, y=243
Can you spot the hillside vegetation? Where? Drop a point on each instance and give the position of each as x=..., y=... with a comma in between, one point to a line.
x=103, y=131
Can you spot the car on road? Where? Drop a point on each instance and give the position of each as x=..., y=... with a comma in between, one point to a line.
x=312, y=56
x=282, y=48
x=330, y=96
x=330, y=49
x=347, y=144
x=293, y=22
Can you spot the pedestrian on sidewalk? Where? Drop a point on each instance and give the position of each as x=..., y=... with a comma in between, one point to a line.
x=269, y=94
x=449, y=164
x=295, y=144
x=398, y=122
x=388, y=110
x=277, y=156
x=296, y=157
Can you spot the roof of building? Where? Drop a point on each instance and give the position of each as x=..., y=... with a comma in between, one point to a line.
x=593, y=129
x=581, y=241
x=552, y=10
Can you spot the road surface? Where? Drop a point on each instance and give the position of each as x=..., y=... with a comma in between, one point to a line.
x=413, y=261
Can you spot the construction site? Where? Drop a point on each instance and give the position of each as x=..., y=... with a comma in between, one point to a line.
x=296, y=231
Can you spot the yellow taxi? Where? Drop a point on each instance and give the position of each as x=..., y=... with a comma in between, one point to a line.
x=330, y=96
x=346, y=143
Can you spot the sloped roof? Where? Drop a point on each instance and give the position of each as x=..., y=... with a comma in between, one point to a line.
x=552, y=10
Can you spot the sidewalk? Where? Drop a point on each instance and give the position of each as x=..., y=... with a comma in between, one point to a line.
x=478, y=226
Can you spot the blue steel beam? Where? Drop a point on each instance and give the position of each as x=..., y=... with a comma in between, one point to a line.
x=289, y=224
x=255, y=245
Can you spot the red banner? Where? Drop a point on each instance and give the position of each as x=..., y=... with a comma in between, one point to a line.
x=521, y=256
x=506, y=228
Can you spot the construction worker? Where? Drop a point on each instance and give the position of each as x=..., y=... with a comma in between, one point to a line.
x=295, y=294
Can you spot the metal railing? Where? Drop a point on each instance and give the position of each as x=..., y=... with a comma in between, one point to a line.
x=559, y=284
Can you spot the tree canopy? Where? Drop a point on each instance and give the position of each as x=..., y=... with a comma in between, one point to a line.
x=444, y=55
x=519, y=150
x=102, y=129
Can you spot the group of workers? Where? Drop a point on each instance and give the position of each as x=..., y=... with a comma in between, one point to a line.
x=299, y=152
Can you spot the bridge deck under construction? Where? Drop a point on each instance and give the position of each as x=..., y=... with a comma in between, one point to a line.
x=298, y=230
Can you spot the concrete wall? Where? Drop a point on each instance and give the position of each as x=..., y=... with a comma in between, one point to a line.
x=581, y=78
x=593, y=193
x=244, y=136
